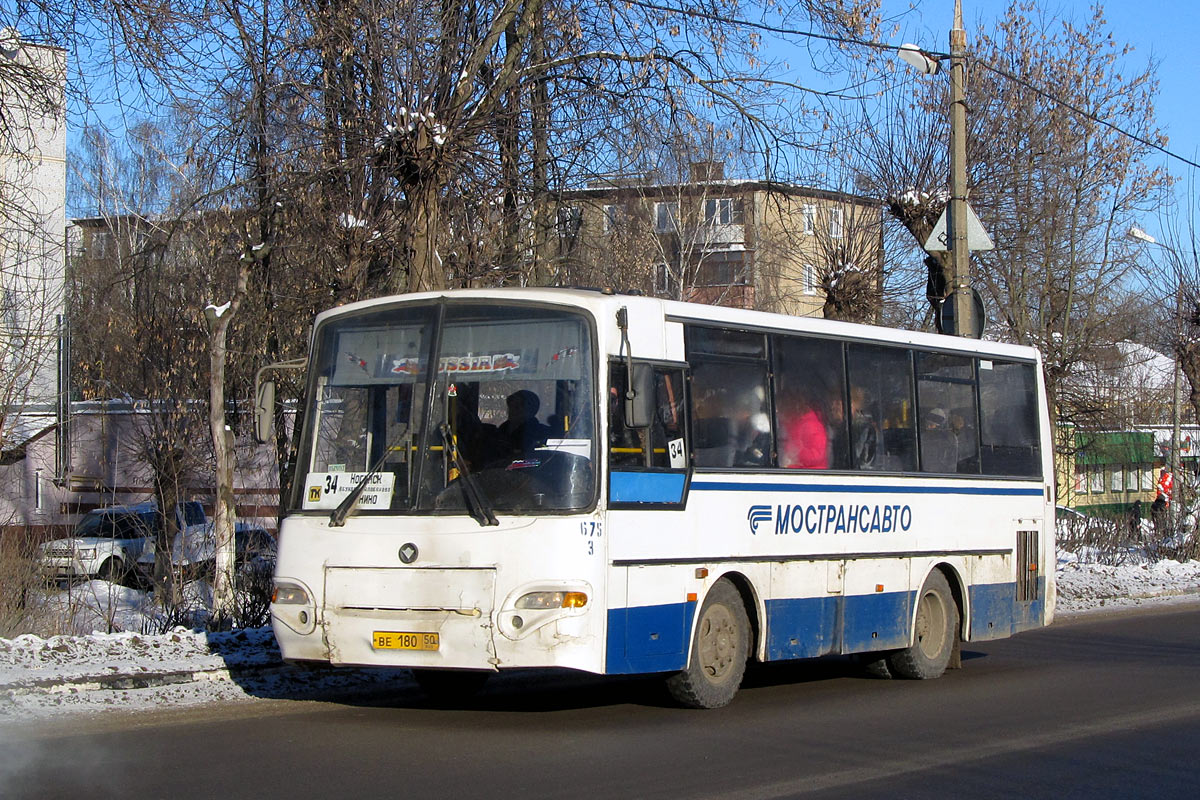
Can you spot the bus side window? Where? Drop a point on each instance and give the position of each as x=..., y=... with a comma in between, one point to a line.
x=663, y=443
x=810, y=387
x=1008, y=409
x=729, y=413
x=881, y=378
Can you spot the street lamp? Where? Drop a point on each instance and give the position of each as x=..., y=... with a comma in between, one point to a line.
x=1176, y=398
x=964, y=308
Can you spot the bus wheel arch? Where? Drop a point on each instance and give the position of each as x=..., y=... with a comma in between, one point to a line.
x=720, y=647
x=935, y=632
x=961, y=599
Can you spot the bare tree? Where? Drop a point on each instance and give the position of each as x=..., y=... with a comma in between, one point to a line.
x=1056, y=188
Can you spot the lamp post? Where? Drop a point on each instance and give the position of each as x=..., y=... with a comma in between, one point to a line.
x=1176, y=393
x=959, y=279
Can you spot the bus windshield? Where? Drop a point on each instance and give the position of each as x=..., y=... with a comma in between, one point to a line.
x=509, y=387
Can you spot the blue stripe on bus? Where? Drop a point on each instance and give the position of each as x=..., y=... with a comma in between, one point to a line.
x=655, y=638
x=730, y=486
x=646, y=487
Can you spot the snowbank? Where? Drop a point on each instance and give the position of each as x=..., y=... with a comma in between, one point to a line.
x=132, y=670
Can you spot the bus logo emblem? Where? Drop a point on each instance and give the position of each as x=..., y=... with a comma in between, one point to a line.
x=408, y=552
x=757, y=516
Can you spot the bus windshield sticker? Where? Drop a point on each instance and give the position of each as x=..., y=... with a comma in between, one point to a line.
x=326, y=490
x=578, y=447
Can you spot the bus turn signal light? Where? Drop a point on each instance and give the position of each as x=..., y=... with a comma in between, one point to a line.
x=543, y=600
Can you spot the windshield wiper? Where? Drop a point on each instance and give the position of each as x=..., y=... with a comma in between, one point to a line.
x=338, y=518
x=478, y=505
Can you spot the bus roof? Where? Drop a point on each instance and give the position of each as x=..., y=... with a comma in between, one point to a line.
x=603, y=304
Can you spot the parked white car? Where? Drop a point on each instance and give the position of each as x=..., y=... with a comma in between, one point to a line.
x=106, y=543
x=193, y=551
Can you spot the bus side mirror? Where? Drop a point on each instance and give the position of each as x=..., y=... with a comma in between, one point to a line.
x=264, y=412
x=639, y=409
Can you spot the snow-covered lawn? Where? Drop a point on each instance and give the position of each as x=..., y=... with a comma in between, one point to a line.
x=132, y=669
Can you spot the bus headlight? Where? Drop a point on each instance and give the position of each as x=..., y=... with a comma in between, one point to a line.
x=286, y=594
x=534, y=606
x=544, y=600
x=292, y=605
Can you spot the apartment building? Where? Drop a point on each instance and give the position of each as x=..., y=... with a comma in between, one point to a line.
x=749, y=244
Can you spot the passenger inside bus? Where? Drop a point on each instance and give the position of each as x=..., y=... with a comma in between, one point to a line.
x=803, y=436
x=939, y=449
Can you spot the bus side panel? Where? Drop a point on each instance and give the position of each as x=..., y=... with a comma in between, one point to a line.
x=995, y=604
x=650, y=623
x=1032, y=614
x=996, y=613
x=804, y=627
x=879, y=598
x=992, y=610
x=876, y=621
x=648, y=638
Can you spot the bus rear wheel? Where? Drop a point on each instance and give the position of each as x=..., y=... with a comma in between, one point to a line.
x=720, y=647
x=933, y=639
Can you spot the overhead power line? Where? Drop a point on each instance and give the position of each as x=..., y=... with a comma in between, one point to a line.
x=824, y=37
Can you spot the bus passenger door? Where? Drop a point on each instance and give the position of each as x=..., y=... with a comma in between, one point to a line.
x=648, y=466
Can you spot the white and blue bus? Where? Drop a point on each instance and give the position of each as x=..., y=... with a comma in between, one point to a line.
x=496, y=479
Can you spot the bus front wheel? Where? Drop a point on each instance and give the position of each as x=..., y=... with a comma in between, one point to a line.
x=720, y=646
x=933, y=639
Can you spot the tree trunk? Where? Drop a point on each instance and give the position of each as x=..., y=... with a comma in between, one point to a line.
x=225, y=508
x=424, y=269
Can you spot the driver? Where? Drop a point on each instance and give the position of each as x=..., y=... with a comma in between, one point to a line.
x=522, y=432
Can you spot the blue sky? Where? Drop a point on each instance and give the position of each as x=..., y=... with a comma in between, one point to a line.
x=1167, y=31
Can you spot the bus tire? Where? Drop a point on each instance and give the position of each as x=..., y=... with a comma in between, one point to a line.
x=450, y=684
x=720, y=646
x=933, y=637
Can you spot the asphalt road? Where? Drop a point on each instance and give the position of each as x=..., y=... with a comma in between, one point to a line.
x=1101, y=707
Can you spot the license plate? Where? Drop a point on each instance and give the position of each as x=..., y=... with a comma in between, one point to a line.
x=402, y=640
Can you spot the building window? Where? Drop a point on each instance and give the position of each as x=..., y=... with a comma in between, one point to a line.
x=810, y=220
x=1131, y=480
x=612, y=217
x=1117, y=481
x=810, y=279
x=1080, y=480
x=666, y=217
x=665, y=281
x=723, y=211
x=37, y=490
x=1096, y=481
x=836, y=223
x=722, y=269
x=569, y=220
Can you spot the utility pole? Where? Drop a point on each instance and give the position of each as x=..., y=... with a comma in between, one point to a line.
x=960, y=256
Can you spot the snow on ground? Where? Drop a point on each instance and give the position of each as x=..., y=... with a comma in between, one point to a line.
x=60, y=675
